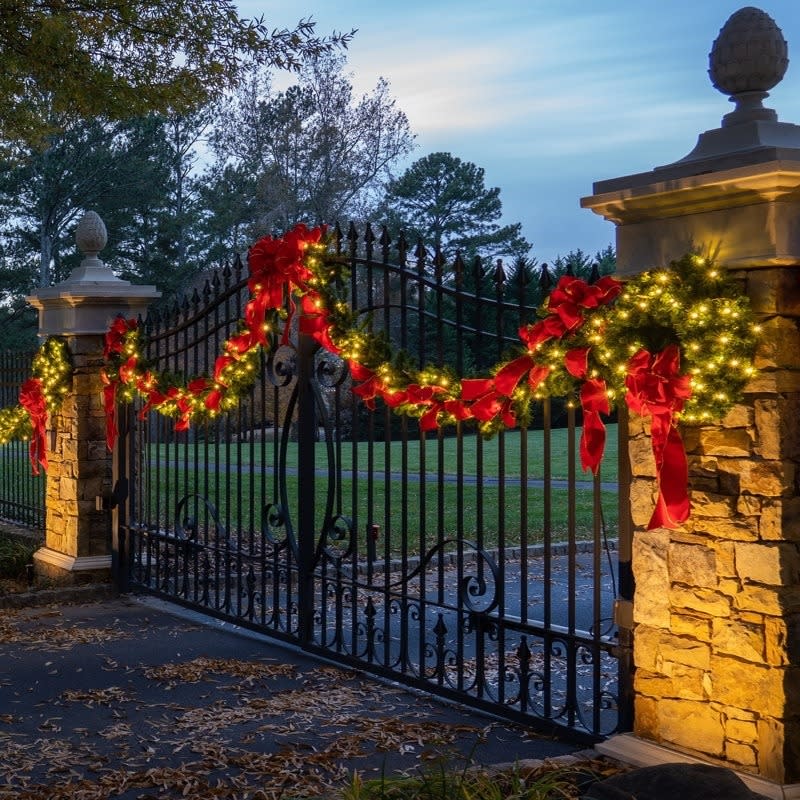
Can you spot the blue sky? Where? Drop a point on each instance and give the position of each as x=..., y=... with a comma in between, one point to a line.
x=547, y=96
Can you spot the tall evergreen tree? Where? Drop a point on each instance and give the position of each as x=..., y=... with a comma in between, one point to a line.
x=157, y=235
x=444, y=200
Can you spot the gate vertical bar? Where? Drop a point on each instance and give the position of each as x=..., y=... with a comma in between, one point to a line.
x=122, y=472
x=306, y=526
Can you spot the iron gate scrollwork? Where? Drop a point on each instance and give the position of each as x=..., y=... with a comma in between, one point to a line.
x=483, y=571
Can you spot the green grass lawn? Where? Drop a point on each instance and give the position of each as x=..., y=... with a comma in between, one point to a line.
x=429, y=505
x=475, y=454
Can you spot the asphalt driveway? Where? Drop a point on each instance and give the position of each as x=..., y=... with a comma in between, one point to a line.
x=125, y=699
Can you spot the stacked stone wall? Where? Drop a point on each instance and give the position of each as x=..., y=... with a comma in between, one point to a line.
x=79, y=468
x=717, y=655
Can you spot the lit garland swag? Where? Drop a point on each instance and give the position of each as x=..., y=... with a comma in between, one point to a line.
x=39, y=396
x=673, y=344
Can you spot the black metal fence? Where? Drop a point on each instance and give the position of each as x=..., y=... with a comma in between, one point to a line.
x=21, y=493
x=485, y=571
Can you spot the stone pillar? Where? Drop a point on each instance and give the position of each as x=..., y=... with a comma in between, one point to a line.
x=77, y=526
x=717, y=602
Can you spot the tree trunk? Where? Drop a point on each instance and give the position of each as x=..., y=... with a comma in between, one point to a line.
x=45, y=258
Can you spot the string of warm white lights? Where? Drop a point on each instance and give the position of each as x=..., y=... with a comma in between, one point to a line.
x=40, y=396
x=696, y=306
x=692, y=305
x=674, y=343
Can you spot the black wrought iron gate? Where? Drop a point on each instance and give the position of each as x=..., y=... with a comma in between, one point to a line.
x=485, y=571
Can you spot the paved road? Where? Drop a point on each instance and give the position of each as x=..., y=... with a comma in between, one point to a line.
x=127, y=700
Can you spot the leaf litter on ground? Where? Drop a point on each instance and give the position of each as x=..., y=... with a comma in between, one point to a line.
x=262, y=730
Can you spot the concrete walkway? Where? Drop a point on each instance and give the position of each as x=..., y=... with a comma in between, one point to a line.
x=126, y=699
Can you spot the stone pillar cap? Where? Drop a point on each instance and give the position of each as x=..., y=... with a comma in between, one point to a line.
x=89, y=299
x=91, y=237
x=747, y=59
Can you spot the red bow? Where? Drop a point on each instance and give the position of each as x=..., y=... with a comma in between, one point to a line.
x=184, y=406
x=426, y=397
x=548, y=328
x=572, y=296
x=31, y=398
x=369, y=387
x=115, y=335
x=480, y=398
x=656, y=388
x=486, y=398
x=565, y=308
x=273, y=264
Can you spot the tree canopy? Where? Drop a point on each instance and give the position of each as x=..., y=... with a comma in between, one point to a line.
x=118, y=168
x=444, y=200
x=312, y=153
x=119, y=58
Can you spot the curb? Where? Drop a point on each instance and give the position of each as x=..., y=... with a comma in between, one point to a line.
x=63, y=595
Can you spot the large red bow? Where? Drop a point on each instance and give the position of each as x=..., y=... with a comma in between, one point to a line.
x=273, y=265
x=657, y=389
x=274, y=262
x=31, y=398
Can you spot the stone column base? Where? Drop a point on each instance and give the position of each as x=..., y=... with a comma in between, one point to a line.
x=638, y=752
x=70, y=570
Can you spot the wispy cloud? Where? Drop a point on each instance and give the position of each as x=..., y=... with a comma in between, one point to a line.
x=547, y=95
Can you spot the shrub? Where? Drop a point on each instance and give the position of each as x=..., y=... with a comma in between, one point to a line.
x=15, y=555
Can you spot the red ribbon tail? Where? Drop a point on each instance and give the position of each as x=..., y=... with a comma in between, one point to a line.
x=487, y=407
x=474, y=388
x=576, y=361
x=672, y=471
x=511, y=374
x=287, y=326
x=593, y=441
x=110, y=405
x=594, y=401
x=31, y=398
x=43, y=444
x=36, y=451
x=429, y=420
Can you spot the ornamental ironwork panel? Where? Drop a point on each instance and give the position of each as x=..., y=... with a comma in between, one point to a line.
x=482, y=570
x=22, y=493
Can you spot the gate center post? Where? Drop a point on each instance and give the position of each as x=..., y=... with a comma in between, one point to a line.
x=306, y=483
x=78, y=535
